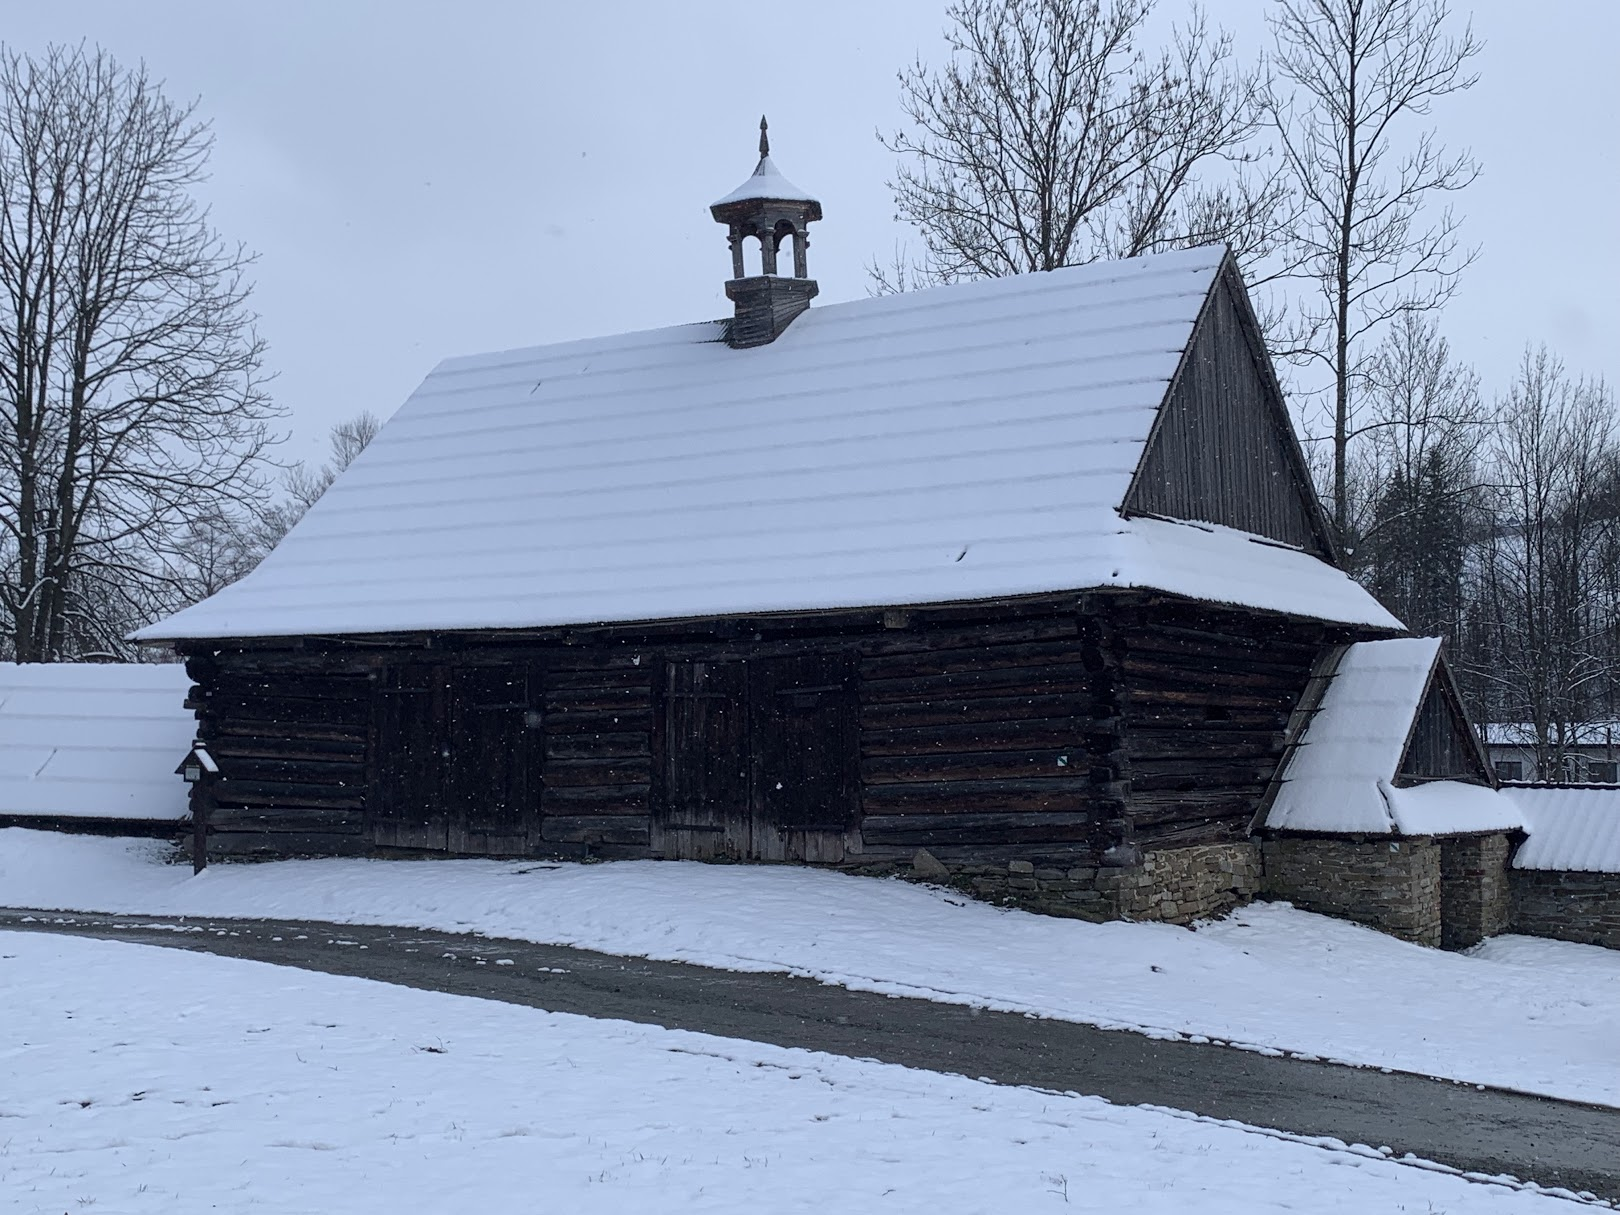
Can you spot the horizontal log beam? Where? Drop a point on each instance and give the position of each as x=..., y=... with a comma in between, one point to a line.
x=925, y=830
x=598, y=771
x=979, y=765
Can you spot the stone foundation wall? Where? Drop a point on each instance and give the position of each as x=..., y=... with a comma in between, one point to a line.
x=1391, y=885
x=1474, y=898
x=1173, y=885
x=1179, y=885
x=1567, y=906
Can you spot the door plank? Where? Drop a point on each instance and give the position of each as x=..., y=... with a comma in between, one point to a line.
x=703, y=813
x=409, y=808
x=806, y=755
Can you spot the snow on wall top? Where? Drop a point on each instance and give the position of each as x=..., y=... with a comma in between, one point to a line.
x=1523, y=734
x=1575, y=829
x=968, y=442
x=93, y=740
x=766, y=182
x=1340, y=777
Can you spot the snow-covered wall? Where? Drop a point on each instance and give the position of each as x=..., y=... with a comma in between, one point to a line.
x=1570, y=829
x=93, y=740
x=1566, y=876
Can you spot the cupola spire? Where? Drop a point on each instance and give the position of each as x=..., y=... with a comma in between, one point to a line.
x=770, y=209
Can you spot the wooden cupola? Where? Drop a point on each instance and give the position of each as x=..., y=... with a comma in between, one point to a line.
x=772, y=210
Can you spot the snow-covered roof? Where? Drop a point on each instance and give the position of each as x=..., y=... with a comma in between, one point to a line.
x=963, y=443
x=1574, y=829
x=93, y=740
x=1340, y=777
x=1449, y=807
x=766, y=182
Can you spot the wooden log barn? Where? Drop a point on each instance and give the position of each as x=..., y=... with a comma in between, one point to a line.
x=1014, y=581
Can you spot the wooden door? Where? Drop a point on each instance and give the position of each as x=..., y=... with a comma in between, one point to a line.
x=407, y=802
x=805, y=755
x=704, y=811
x=495, y=755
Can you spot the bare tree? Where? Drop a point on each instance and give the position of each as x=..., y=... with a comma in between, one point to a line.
x=305, y=486
x=1543, y=627
x=218, y=548
x=215, y=550
x=1416, y=490
x=1050, y=138
x=1361, y=71
x=131, y=399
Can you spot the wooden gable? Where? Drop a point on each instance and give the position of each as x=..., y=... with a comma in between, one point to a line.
x=1223, y=449
x=1442, y=744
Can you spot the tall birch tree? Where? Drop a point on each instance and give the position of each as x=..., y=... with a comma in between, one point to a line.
x=1370, y=244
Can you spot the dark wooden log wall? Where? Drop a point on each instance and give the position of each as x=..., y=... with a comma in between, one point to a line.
x=291, y=737
x=990, y=742
x=1056, y=732
x=296, y=736
x=599, y=709
x=1206, y=705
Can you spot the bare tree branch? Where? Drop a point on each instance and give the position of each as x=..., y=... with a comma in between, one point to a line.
x=1051, y=138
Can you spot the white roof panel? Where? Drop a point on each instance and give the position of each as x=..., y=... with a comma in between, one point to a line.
x=968, y=442
x=93, y=740
x=1570, y=829
x=1340, y=777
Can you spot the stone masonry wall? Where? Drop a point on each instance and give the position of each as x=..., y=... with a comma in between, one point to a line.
x=1179, y=885
x=1474, y=896
x=1391, y=885
x=1173, y=885
x=1567, y=906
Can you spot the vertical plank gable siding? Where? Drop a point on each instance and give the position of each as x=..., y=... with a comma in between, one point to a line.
x=1441, y=746
x=1056, y=733
x=1220, y=451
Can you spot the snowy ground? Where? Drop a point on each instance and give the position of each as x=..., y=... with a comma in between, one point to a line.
x=1540, y=1016
x=148, y=1080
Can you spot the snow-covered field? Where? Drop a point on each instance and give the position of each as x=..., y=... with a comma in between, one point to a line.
x=1534, y=1015
x=147, y=1080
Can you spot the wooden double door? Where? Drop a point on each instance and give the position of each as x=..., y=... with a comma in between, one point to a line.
x=759, y=759
x=460, y=759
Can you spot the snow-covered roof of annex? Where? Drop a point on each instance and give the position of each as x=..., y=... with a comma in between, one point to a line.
x=964, y=443
x=1570, y=828
x=93, y=740
x=1340, y=777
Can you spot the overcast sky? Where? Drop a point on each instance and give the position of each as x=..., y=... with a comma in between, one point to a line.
x=421, y=180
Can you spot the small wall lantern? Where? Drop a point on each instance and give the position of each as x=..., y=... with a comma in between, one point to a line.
x=197, y=764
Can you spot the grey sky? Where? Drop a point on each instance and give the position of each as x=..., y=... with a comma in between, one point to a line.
x=423, y=180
